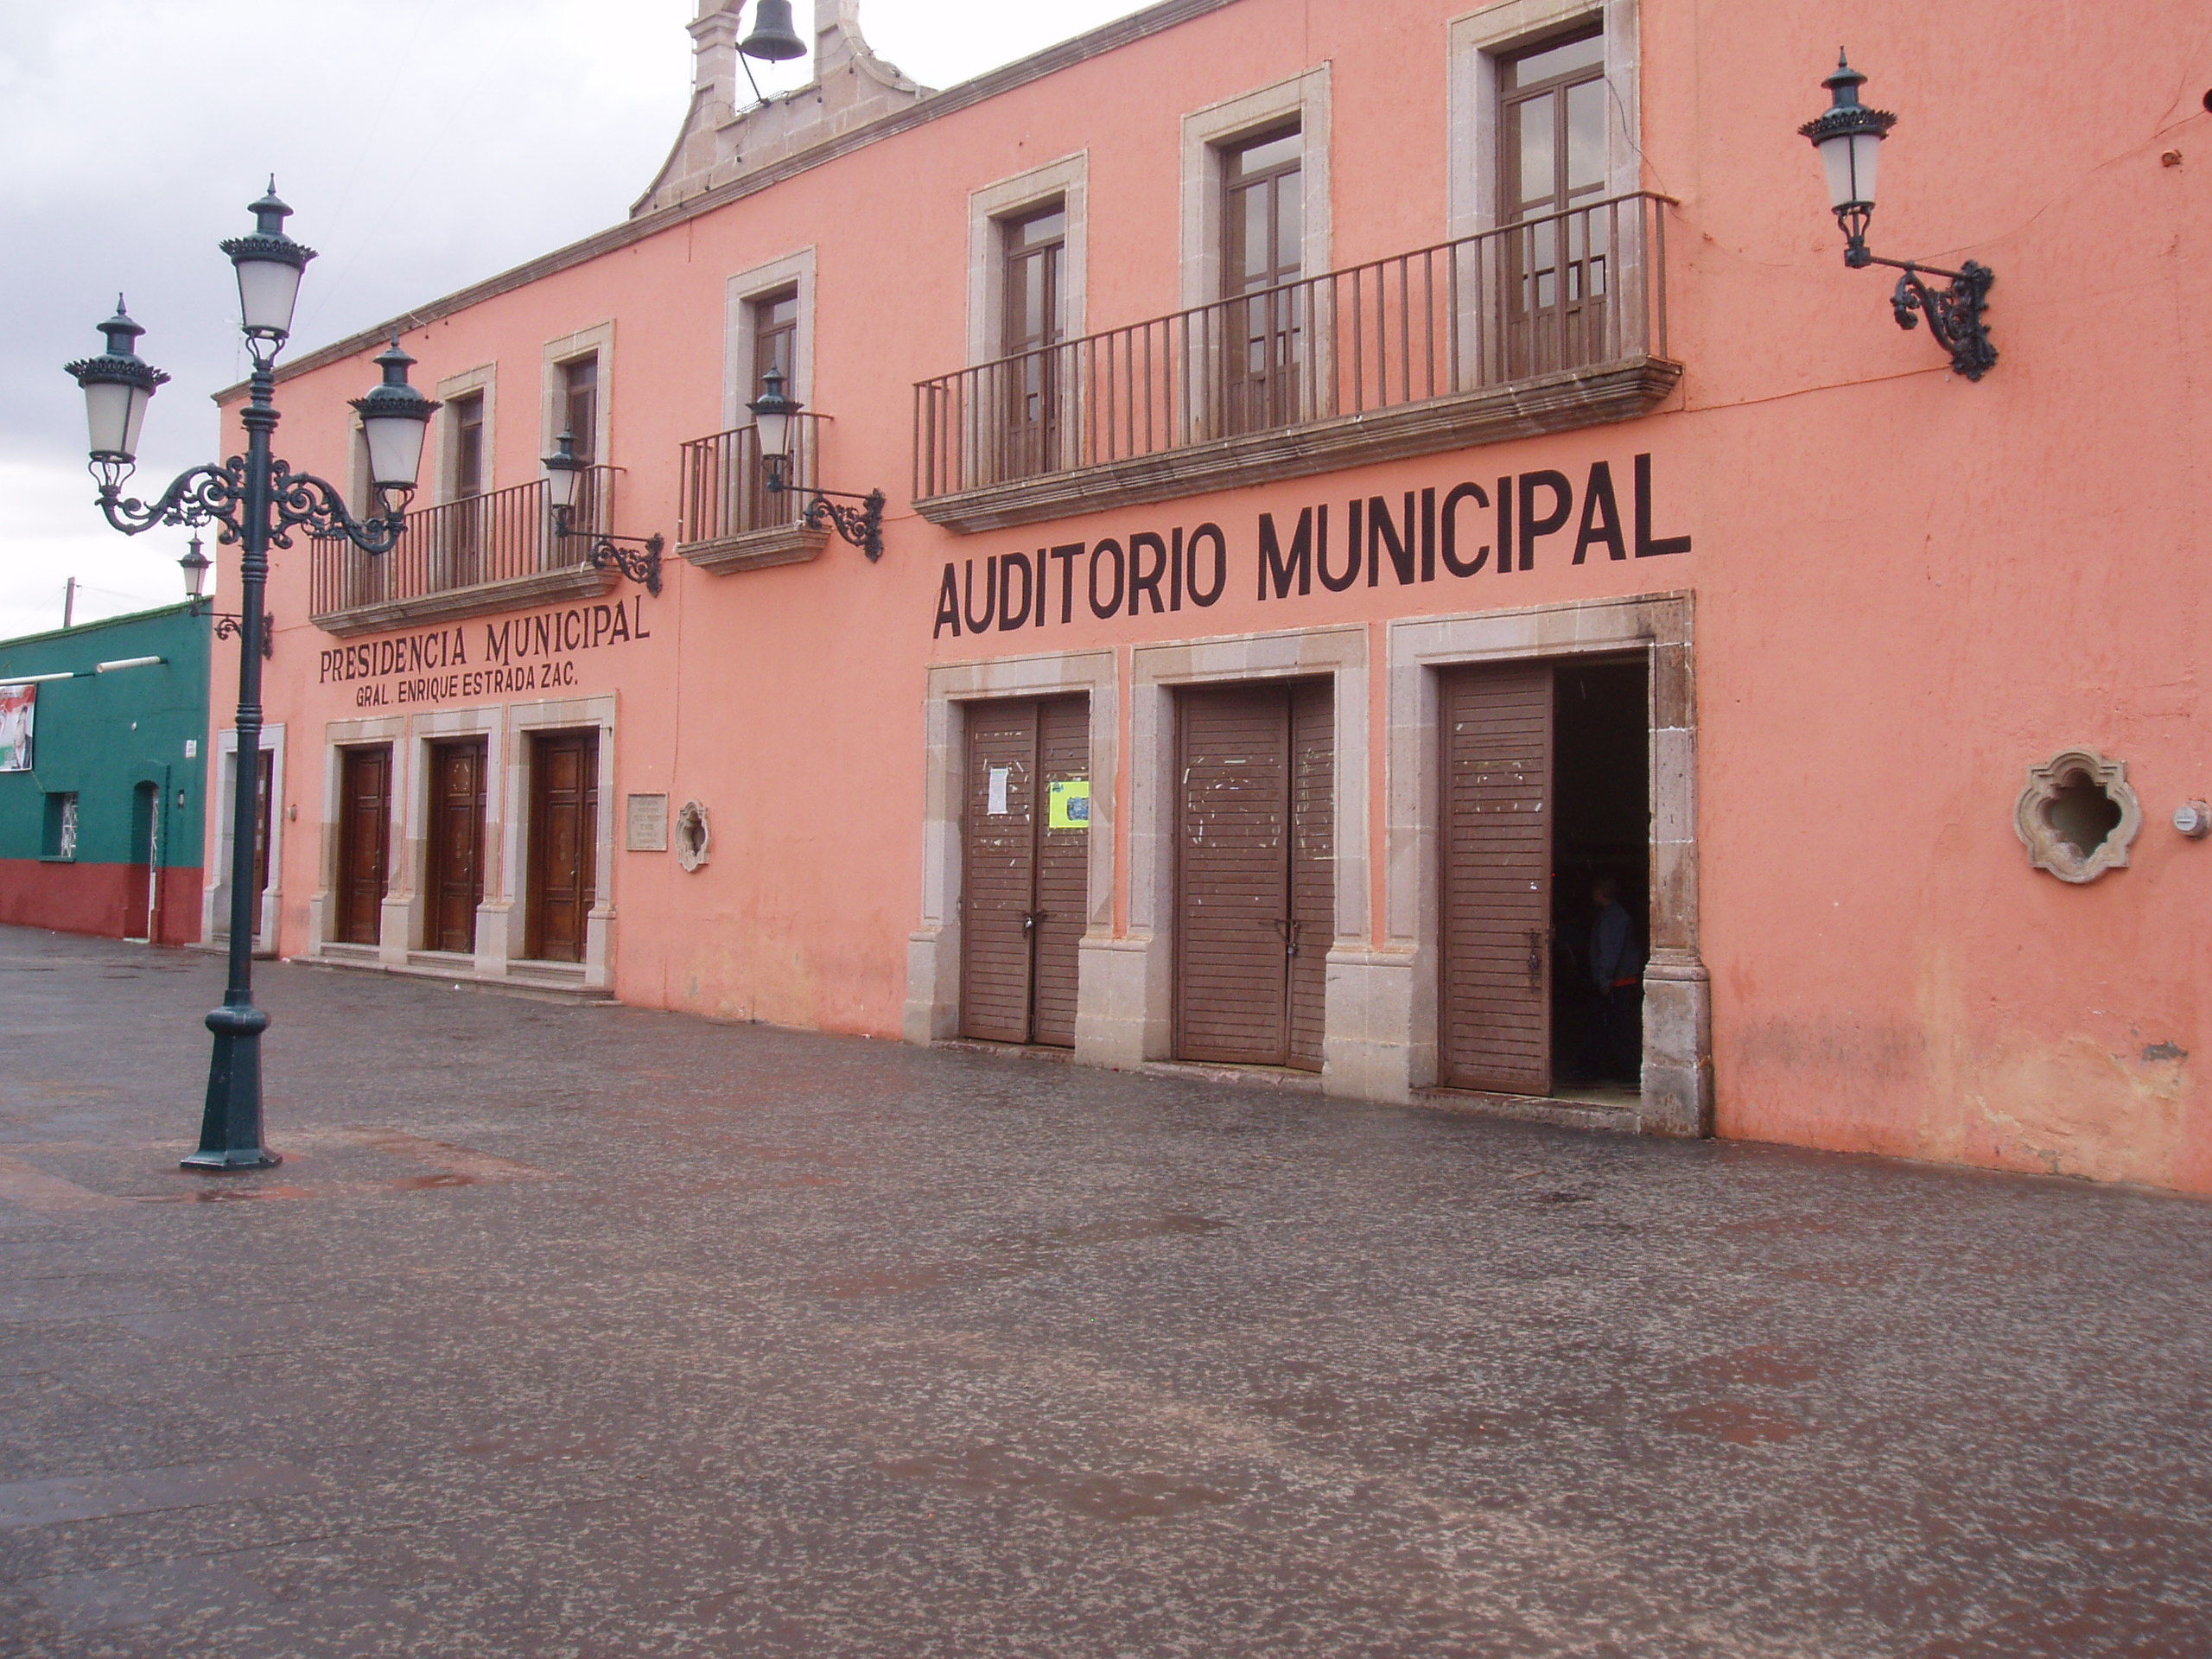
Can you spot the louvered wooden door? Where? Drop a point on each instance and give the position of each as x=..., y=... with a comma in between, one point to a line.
x=1494, y=1021
x=1255, y=872
x=364, y=830
x=455, y=880
x=563, y=843
x=1024, y=886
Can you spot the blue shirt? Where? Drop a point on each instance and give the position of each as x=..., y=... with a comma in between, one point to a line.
x=1613, y=954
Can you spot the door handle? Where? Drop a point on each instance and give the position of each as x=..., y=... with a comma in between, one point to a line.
x=1030, y=918
x=1535, y=958
x=1288, y=930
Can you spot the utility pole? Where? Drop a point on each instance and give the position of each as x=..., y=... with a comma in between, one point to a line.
x=68, y=601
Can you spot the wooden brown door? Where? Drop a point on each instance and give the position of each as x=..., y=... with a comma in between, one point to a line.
x=363, y=832
x=264, y=792
x=1494, y=1021
x=563, y=836
x=455, y=879
x=1255, y=872
x=1025, y=885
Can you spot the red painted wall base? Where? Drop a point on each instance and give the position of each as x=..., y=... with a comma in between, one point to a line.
x=96, y=899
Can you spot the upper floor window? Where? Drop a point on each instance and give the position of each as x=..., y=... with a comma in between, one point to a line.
x=1552, y=133
x=1263, y=228
x=1263, y=218
x=1034, y=250
x=579, y=411
x=467, y=414
x=775, y=338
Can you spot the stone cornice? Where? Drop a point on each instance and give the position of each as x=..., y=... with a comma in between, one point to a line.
x=484, y=599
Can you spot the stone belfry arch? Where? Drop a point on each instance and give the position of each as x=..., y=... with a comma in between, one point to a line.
x=727, y=134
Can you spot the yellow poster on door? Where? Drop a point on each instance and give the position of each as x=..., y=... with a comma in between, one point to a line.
x=1068, y=804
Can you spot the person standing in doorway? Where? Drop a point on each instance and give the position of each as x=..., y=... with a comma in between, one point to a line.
x=1616, y=978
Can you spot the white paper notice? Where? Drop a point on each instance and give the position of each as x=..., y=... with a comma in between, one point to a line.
x=997, y=806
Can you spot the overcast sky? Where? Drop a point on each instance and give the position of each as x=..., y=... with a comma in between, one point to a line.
x=423, y=143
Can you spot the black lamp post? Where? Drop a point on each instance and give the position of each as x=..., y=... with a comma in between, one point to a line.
x=773, y=417
x=257, y=500
x=636, y=557
x=1849, y=137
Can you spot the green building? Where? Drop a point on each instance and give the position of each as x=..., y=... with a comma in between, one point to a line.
x=103, y=774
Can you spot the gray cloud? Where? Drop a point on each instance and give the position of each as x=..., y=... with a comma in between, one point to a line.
x=425, y=143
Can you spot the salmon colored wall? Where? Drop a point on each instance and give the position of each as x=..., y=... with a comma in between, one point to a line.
x=1908, y=588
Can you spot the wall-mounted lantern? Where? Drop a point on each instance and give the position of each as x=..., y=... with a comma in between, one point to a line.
x=773, y=417
x=1849, y=137
x=636, y=557
x=194, y=565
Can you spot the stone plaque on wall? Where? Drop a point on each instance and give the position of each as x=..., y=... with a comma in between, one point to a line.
x=648, y=823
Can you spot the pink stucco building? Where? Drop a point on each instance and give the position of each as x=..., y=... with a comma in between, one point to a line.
x=1360, y=478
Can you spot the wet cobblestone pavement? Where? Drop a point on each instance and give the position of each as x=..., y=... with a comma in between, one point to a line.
x=585, y=1331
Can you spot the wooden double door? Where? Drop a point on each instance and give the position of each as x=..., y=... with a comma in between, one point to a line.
x=564, y=844
x=1255, y=872
x=454, y=873
x=1025, y=868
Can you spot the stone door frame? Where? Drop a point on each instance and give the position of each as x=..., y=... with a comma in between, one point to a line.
x=1396, y=1050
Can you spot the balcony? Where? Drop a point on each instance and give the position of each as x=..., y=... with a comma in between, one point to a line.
x=732, y=520
x=490, y=552
x=1552, y=323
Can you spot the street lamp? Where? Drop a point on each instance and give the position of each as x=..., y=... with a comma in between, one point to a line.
x=564, y=477
x=774, y=419
x=259, y=500
x=1848, y=136
x=194, y=564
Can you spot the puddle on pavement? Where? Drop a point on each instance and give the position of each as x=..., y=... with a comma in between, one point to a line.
x=890, y=1284
x=1766, y=1367
x=993, y=1471
x=1017, y=1254
x=227, y=1194
x=1781, y=1226
x=1178, y=1225
x=1737, y=1423
x=450, y=1166
x=1844, y=1276
x=520, y=1455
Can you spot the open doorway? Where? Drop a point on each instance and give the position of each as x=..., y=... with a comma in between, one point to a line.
x=139, y=906
x=1601, y=884
x=1546, y=798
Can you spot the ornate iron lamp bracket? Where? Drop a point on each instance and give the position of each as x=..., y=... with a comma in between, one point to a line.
x=1954, y=313
x=231, y=627
x=862, y=526
x=635, y=556
x=211, y=494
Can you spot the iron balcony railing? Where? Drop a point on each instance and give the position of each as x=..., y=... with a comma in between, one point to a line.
x=726, y=491
x=499, y=536
x=1560, y=292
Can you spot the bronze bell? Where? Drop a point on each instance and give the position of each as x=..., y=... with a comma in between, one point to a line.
x=773, y=39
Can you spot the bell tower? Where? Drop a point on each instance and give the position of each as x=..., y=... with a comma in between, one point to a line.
x=728, y=133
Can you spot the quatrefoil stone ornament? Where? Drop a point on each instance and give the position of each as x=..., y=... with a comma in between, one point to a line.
x=2077, y=817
